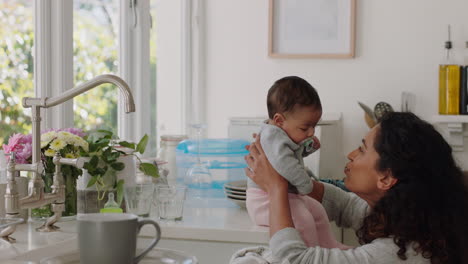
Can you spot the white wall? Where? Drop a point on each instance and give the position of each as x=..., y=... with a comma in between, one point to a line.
x=399, y=44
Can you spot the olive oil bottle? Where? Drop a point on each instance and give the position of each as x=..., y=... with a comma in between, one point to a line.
x=449, y=83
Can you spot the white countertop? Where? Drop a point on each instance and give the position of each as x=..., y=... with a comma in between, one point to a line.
x=212, y=220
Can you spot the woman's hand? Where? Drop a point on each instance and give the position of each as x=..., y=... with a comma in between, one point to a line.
x=260, y=169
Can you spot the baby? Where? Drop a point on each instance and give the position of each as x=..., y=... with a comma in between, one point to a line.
x=294, y=109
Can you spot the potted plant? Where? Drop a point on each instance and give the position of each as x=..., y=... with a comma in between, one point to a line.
x=105, y=154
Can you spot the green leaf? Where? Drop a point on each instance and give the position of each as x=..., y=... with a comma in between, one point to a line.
x=118, y=166
x=100, y=171
x=87, y=166
x=105, y=132
x=102, y=143
x=127, y=144
x=106, y=154
x=98, y=135
x=119, y=188
x=93, y=147
x=94, y=161
x=92, y=181
x=113, y=156
x=142, y=144
x=149, y=169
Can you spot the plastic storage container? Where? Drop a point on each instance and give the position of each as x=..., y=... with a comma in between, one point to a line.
x=223, y=157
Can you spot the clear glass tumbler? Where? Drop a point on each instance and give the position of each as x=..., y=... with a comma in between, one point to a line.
x=138, y=199
x=170, y=201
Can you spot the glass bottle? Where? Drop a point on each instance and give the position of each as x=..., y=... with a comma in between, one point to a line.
x=449, y=83
x=464, y=83
x=198, y=178
x=167, y=152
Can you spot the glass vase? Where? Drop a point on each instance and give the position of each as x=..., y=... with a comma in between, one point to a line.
x=69, y=177
x=90, y=200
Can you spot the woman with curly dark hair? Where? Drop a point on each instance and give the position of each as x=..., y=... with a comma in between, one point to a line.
x=409, y=203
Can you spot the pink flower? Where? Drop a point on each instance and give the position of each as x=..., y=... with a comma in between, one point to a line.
x=24, y=153
x=27, y=139
x=20, y=144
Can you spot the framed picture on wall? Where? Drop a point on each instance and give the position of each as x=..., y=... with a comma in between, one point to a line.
x=312, y=28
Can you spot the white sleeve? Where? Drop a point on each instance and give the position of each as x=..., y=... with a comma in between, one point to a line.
x=288, y=247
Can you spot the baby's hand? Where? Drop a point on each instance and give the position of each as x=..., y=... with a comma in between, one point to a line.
x=311, y=145
x=316, y=143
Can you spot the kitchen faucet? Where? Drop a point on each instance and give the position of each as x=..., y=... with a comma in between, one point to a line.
x=36, y=196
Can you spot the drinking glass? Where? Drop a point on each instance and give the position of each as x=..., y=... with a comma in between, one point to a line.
x=170, y=201
x=138, y=199
x=198, y=178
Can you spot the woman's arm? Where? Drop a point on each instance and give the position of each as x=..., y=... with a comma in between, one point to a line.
x=280, y=213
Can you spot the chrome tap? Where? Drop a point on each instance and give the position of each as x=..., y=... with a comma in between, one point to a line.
x=57, y=197
x=36, y=197
x=12, y=201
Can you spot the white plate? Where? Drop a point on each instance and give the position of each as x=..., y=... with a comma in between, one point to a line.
x=240, y=197
x=236, y=185
x=229, y=191
x=240, y=203
x=155, y=256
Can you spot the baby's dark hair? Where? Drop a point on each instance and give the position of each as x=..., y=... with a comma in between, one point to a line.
x=288, y=92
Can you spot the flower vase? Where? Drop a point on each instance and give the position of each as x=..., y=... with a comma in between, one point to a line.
x=45, y=211
x=90, y=200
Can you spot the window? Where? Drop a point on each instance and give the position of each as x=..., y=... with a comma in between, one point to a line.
x=95, y=50
x=80, y=39
x=16, y=62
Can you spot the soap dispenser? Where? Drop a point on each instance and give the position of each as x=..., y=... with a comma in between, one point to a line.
x=111, y=206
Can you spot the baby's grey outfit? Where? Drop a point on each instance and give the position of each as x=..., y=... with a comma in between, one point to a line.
x=286, y=157
x=347, y=210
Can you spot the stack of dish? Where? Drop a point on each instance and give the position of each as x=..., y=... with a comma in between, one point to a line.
x=235, y=191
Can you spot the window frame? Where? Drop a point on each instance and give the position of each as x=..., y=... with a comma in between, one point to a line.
x=53, y=29
x=193, y=64
x=53, y=62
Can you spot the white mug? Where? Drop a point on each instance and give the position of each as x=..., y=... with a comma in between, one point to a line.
x=111, y=238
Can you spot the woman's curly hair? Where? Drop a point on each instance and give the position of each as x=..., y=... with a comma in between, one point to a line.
x=428, y=206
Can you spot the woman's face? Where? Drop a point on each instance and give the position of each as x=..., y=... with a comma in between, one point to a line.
x=362, y=176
